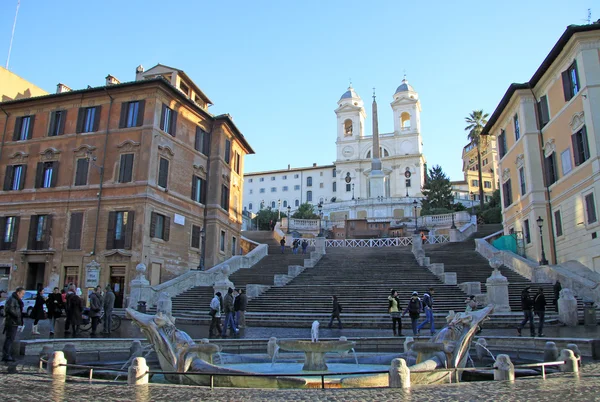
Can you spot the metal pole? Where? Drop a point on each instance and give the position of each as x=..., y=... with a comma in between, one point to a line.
x=543, y=261
x=352, y=190
x=202, y=249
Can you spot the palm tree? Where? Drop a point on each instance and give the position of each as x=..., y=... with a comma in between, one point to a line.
x=476, y=121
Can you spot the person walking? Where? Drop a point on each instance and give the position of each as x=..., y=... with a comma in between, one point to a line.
x=241, y=314
x=228, y=310
x=109, y=305
x=38, y=311
x=414, y=308
x=527, y=306
x=557, y=289
x=295, y=245
x=282, y=244
x=55, y=305
x=335, y=312
x=70, y=293
x=13, y=321
x=394, y=310
x=236, y=307
x=428, y=307
x=304, y=246
x=75, y=311
x=96, y=304
x=215, y=313
x=539, y=307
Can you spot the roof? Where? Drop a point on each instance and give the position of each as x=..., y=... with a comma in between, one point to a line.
x=188, y=79
x=537, y=76
x=288, y=170
x=404, y=87
x=229, y=120
x=350, y=93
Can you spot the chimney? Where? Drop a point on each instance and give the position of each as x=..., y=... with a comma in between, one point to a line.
x=60, y=88
x=110, y=80
x=139, y=70
x=289, y=167
x=314, y=165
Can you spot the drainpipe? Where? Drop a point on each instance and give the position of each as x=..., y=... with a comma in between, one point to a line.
x=102, y=169
x=541, y=143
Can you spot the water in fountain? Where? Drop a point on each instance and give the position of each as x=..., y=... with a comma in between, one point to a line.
x=275, y=355
x=486, y=349
x=471, y=360
x=355, y=358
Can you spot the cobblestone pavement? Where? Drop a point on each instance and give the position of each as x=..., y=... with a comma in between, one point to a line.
x=37, y=387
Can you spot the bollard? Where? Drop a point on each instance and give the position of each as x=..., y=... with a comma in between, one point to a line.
x=575, y=349
x=480, y=348
x=56, y=366
x=135, y=350
x=550, y=352
x=571, y=364
x=46, y=352
x=408, y=341
x=70, y=352
x=138, y=372
x=504, y=369
x=399, y=374
x=272, y=346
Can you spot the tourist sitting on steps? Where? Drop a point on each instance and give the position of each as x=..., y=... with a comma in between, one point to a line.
x=428, y=307
x=394, y=310
x=335, y=312
x=414, y=308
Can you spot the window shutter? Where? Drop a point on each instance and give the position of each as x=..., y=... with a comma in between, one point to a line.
x=197, y=142
x=576, y=151
x=566, y=85
x=122, y=169
x=203, y=191
x=110, y=233
x=163, y=172
x=30, y=129
x=123, y=118
x=97, y=118
x=51, y=131
x=75, y=231
x=3, y=245
x=8, y=177
x=23, y=176
x=584, y=143
x=129, y=230
x=194, y=188
x=54, y=174
x=167, y=229
x=129, y=167
x=15, y=239
x=63, y=121
x=152, y=224
x=206, y=148
x=32, y=229
x=82, y=172
x=195, y=236
x=17, y=132
x=47, y=232
x=140, y=116
x=163, y=126
x=173, y=129
x=545, y=112
x=80, y=120
x=39, y=175
x=227, y=151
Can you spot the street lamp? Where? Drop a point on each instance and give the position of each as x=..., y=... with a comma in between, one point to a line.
x=415, y=203
x=453, y=225
x=352, y=190
x=320, y=206
x=202, y=248
x=540, y=223
x=279, y=210
x=472, y=201
x=289, y=219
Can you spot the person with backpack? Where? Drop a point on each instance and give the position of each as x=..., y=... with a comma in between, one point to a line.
x=414, y=308
x=335, y=312
x=428, y=307
x=394, y=310
x=304, y=246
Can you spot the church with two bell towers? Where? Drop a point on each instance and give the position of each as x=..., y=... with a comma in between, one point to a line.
x=373, y=176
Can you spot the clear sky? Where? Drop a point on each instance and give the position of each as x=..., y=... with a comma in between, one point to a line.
x=279, y=67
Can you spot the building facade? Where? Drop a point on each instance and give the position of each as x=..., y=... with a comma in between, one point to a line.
x=548, y=142
x=14, y=87
x=99, y=180
x=489, y=168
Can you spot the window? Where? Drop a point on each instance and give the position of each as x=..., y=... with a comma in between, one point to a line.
x=558, y=223
x=590, y=208
x=237, y=164
x=309, y=196
x=309, y=181
x=75, y=230
x=284, y=188
x=250, y=206
x=333, y=173
x=199, y=189
x=550, y=168
x=272, y=178
x=297, y=203
x=222, y=241
x=160, y=226
x=120, y=230
x=484, y=162
x=284, y=177
x=581, y=149
x=132, y=114
x=227, y=151
x=250, y=191
x=57, y=123
x=321, y=185
x=262, y=190
x=285, y=203
x=23, y=128
x=88, y=119
x=168, y=120
x=184, y=88
x=250, y=180
x=522, y=181
x=46, y=175
x=475, y=183
x=81, y=171
x=14, y=179
x=296, y=187
x=195, y=236
x=334, y=187
x=526, y=231
x=163, y=172
x=570, y=80
x=262, y=179
x=565, y=158
x=40, y=227
x=296, y=176
x=321, y=174
x=502, y=144
x=407, y=182
x=126, y=168
x=543, y=111
x=225, y=197
x=273, y=189
x=487, y=184
x=233, y=245
x=9, y=232
x=273, y=204
x=507, y=193
x=348, y=187
x=517, y=127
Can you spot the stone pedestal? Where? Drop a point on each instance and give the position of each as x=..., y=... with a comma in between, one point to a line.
x=139, y=287
x=70, y=353
x=567, y=308
x=504, y=369
x=399, y=374
x=138, y=372
x=449, y=278
x=454, y=236
x=320, y=245
x=56, y=366
x=550, y=352
x=164, y=304
x=135, y=350
x=416, y=244
x=497, y=288
x=222, y=284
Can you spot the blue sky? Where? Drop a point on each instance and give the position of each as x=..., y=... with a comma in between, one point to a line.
x=279, y=67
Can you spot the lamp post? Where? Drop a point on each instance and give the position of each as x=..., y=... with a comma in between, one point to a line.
x=202, y=248
x=453, y=225
x=415, y=203
x=352, y=190
x=540, y=223
x=289, y=219
x=279, y=210
x=472, y=200
x=320, y=206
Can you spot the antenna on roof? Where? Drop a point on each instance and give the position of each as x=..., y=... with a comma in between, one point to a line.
x=589, y=17
x=13, y=33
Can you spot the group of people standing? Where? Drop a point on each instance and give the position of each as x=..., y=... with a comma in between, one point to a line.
x=296, y=244
x=233, y=308
x=533, y=305
x=414, y=308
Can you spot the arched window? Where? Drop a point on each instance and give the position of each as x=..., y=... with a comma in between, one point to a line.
x=348, y=128
x=405, y=120
x=297, y=203
x=309, y=181
x=272, y=204
x=250, y=207
x=309, y=196
x=383, y=153
x=321, y=200
x=285, y=203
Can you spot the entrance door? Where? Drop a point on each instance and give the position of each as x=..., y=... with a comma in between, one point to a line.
x=71, y=276
x=35, y=275
x=117, y=280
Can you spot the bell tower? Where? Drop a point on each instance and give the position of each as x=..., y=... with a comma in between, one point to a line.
x=350, y=124
x=407, y=117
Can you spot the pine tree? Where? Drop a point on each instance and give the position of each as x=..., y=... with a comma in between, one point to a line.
x=437, y=190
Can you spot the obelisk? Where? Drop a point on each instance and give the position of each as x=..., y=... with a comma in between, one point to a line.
x=376, y=177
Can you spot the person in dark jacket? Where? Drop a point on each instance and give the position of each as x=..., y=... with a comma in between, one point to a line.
x=109, y=305
x=229, y=313
x=304, y=246
x=70, y=293
x=335, y=312
x=55, y=306
x=428, y=307
x=557, y=289
x=539, y=307
x=13, y=310
x=38, y=311
x=414, y=308
x=96, y=304
x=75, y=311
x=527, y=306
x=241, y=312
x=282, y=244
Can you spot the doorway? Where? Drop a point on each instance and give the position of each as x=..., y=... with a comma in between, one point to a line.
x=35, y=275
x=117, y=280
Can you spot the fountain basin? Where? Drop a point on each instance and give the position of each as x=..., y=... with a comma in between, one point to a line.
x=315, y=351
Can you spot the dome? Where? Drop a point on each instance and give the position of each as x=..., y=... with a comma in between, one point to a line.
x=350, y=93
x=405, y=87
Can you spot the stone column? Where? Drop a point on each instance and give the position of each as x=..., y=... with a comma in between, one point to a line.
x=139, y=287
x=399, y=374
x=454, y=235
x=320, y=245
x=222, y=284
x=497, y=288
x=504, y=369
x=135, y=350
x=416, y=243
x=56, y=366
x=138, y=372
x=567, y=308
x=571, y=364
x=575, y=349
x=550, y=352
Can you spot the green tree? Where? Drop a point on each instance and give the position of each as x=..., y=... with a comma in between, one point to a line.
x=437, y=191
x=476, y=121
x=305, y=211
x=264, y=218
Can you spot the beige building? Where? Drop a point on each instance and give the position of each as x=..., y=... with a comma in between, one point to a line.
x=14, y=87
x=548, y=143
x=489, y=168
x=117, y=175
